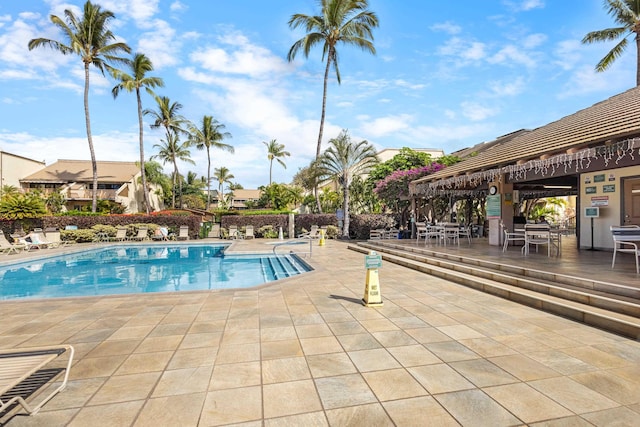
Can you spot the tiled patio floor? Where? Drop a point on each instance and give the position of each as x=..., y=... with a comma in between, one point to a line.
x=306, y=352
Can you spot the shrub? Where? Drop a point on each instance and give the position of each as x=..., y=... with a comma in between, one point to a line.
x=267, y=232
x=332, y=232
x=360, y=225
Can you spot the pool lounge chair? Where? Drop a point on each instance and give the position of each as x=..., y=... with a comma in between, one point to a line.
x=161, y=234
x=248, y=232
x=7, y=247
x=35, y=243
x=22, y=373
x=214, y=233
x=311, y=234
x=183, y=234
x=121, y=235
x=143, y=234
x=234, y=233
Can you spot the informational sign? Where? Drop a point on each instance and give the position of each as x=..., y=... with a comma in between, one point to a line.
x=340, y=214
x=494, y=206
x=592, y=212
x=611, y=188
x=598, y=178
x=600, y=201
x=591, y=190
x=372, y=261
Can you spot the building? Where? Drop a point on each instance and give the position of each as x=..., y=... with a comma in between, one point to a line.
x=238, y=198
x=117, y=182
x=14, y=167
x=593, y=154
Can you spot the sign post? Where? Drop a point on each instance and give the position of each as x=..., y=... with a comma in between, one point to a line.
x=372, y=295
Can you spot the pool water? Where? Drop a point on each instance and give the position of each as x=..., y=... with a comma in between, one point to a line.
x=141, y=269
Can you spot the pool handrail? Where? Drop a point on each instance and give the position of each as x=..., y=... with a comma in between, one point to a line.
x=297, y=241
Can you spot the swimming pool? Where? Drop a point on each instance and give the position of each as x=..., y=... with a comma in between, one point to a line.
x=141, y=269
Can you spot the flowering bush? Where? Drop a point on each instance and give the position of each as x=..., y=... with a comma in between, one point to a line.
x=396, y=185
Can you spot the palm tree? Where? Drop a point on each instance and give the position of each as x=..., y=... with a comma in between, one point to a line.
x=90, y=39
x=170, y=151
x=223, y=175
x=627, y=14
x=139, y=67
x=275, y=150
x=210, y=134
x=341, y=21
x=343, y=160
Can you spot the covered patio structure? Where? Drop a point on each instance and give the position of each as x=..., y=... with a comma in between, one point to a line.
x=592, y=154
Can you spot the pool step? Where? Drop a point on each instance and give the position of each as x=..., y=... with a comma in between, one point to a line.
x=605, y=305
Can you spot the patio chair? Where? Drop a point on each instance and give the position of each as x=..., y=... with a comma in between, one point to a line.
x=30, y=241
x=376, y=234
x=248, y=232
x=214, y=233
x=143, y=234
x=311, y=234
x=626, y=239
x=121, y=235
x=451, y=232
x=465, y=231
x=183, y=233
x=22, y=373
x=510, y=236
x=234, y=233
x=433, y=232
x=7, y=247
x=538, y=234
x=421, y=230
x=52, y=235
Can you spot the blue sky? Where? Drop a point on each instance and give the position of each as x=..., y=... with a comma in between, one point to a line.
x=446, y=75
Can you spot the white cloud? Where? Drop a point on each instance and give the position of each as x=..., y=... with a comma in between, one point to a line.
x=568, y=54
x=160, y=44
x=178, y=6
x=140, y=10
x=508, y=88
x=512, y=55
x=384, y=126
x=534, y=40
x=476, y=112
x=446, y=27
x=465, y=50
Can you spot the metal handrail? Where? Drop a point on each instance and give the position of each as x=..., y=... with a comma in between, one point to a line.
x=298, y=241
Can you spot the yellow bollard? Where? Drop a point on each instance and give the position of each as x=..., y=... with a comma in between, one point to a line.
x=372, y=293
x=321, y=240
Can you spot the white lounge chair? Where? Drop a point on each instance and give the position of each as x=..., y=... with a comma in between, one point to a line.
x=161, y=234
x=234, y=233
x=121, y=235
x=143, y=234
x=183, y=234
x=7, y=247
x=248, y=232
x=22, y=374
x=215, y=231
x=311, y=234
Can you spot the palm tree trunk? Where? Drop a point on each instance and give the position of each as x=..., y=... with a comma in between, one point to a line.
x=176, y=177
x=322, y=116
x=638, y=59
x=345, y=210
x=173, y=195
x=94, y=165
x=270, y=169
x=208, y=179
x=143, y=175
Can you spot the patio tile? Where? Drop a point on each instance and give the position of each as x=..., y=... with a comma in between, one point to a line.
x=193, y=357
x=238, y=353
x=613, y=417
x=183, y=381
x=523, y=367
x=451, y=351
x=112, y=415
x=126, y=387
x=282, y=370
x=93, y=367
x=290, y=398
x=427, y=335
x=527, y=403
x=573, y=395
x=439, y=378
x=145, y=362
x=358, y=342
x=113, y=348
x=45, y=419
x=312, y=419
x=235, y=375
x=483, y=373
x=332, y=364
x=469, y=406
x=211, y=339
x=278, y=334
x=181, y=410
x=393, y=338
x=363, y=415
x=414, y=411
x=393, y=384
x=413, y=355
x=231, y=406
x=313, y=331
x=460, y=332
x=346, y=328
x=487, y=347
x=373, y=360
x=344, y=390
x=150, y=344
x=131, y=332
x=619, y=389
x=279, y=349
x=320, y=345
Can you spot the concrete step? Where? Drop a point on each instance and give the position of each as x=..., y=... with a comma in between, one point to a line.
x=607, y=312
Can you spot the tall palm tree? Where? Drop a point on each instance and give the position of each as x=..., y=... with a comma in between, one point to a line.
x=90, y=38
x=627, y=14
x=139, y=66
x=275, y=151
x=343, y=160
x=223, y=175
x=170, y=151
x=209, y=135
x=340, y=21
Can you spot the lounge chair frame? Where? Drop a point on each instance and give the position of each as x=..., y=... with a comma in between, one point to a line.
x=18, y=366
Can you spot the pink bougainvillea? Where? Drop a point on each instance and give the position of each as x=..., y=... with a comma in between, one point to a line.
x=396, y=185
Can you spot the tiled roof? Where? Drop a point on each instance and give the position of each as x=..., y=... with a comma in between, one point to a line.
x=64, y=171
x=613, y=119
